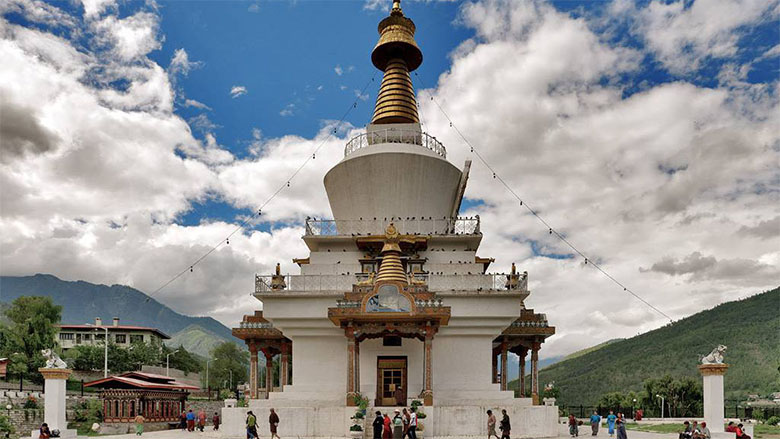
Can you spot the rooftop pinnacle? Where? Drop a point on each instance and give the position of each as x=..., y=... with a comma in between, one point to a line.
x=396, y=54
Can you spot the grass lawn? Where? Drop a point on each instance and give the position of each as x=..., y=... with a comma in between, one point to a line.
x=761, y=431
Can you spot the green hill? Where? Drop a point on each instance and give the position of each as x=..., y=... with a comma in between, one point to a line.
x=195, y=339
x=748, y=327
x=582, y=352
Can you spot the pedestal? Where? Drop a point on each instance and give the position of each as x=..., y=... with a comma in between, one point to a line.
x=712, y=374
x=54, y=402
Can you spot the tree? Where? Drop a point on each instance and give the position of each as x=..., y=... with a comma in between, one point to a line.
x=85, y=357
x=144, y=354
x=683, y=396
x=32, y=329
x=228, y=357
x=182, y=360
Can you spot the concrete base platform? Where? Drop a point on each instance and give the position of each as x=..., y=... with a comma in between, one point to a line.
x=319, y=421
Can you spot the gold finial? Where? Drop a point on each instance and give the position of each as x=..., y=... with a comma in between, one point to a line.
x=396, y=54
x=396, y=8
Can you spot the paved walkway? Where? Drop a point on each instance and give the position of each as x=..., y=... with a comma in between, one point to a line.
x=563, y=434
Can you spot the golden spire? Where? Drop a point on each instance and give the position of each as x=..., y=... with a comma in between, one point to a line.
x=396, y=54
x=391, y=269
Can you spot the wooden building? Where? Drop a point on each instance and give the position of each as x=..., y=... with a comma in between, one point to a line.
x=158, y=398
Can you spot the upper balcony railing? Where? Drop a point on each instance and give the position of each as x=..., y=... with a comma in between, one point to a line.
x=405, y=226
x=435, y=282
x=391, y=135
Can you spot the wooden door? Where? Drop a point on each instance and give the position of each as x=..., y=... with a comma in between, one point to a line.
x=391, y=373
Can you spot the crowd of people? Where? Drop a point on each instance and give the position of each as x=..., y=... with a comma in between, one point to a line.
x=191, y=421
x=616, y=425
x=403, y=424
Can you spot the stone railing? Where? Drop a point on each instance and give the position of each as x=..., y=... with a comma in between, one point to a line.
x=405, y=226
x=255, y=325
x=390, y=135
x=435, y=282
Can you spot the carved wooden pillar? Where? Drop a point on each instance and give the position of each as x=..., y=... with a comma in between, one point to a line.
x=494, y=377
x=428, y=377
x=253, y=378
x=523, y=354
x=504, y=353
x=350, y=368
x=269, y=372
x=535, y=372
x=284, y=373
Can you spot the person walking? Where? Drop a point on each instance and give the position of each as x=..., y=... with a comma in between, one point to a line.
x=387, y=430
x=201, y=420
x=505, y=426
x=273, y=419
x=574, y=430
x=595, y=422
x=215, y=421
x=413, y=424
x=139, y=425
x=406, y=418
x=621, y=427
x=491, y=424
x=183, y=421
x=190, y=421
x=611, y=419
x=378, y=424
x=398, y=425
x=251, y=425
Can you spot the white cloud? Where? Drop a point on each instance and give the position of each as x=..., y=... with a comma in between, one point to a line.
x=238, y=90
x=339, y=71
x=181, y=64
x=683, y=35
x=196, y=104
x=288, y=110
x=254, y=8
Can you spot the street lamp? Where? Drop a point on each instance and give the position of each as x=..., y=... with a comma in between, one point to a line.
x=105, y=343
x=663, y=399
x=167, y=362
x=208, y=388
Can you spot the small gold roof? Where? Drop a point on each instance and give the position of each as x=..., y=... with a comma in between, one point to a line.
x=391, y=269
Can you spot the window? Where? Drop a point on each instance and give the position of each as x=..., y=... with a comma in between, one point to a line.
x=391, y=340
x=368, y=267
x=66, y=336
x=101, y=336
x=137, y=338
x=120, y=338
x=86, y=337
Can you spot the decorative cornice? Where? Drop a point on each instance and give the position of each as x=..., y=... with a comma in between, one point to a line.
x=55, y=374
x=713, y=369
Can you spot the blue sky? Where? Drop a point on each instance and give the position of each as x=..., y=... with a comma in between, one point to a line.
x=136, y=135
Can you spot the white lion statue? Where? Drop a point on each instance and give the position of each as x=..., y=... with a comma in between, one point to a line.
x=715, y=357
x=53, y=361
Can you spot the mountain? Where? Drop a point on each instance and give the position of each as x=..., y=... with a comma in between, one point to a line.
x=748, y=327
x=83, y=301
x=196, y=339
